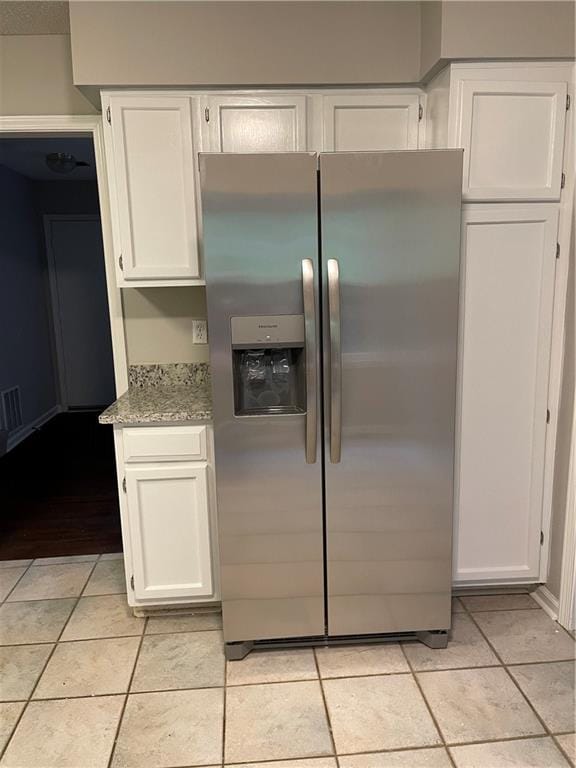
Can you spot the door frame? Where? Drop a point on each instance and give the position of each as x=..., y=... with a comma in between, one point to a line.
x=55, y=310
x=90, y=126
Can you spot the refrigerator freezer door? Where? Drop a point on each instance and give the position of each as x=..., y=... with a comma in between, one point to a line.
x=260, y=224
x=391, y=222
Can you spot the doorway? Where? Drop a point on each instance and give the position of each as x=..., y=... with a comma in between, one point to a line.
x=57, y=467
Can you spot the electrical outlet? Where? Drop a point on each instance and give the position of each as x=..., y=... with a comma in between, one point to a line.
x=199, y=332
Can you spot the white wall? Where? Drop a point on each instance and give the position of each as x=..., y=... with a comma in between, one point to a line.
x=158, y=323
x=244, y=43
x=25, y=339
x=36, y=77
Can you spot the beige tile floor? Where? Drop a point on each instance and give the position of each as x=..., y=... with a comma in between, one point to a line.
x=85, y=684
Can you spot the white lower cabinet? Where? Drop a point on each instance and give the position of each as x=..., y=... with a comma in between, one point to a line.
x=168, y=517
x=508, y=269
x=169, y=530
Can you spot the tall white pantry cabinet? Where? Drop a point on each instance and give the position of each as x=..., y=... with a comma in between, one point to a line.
x=512, y=122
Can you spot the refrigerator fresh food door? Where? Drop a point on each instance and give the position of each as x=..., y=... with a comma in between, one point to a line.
x=390, y=262
x=260, y=225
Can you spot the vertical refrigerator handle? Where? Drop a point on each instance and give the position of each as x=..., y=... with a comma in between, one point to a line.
x=335, y=362
x=310, y=341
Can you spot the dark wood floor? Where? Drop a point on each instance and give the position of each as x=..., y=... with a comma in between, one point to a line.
x=58, y=493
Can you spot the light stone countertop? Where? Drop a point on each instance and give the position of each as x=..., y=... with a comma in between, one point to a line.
x=164, y=403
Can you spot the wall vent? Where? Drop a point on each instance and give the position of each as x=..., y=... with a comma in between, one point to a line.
x=11, y=413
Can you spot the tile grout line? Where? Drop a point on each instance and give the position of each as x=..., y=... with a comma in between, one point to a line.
x=68, y=597
x=395, y=750
x=511, y=676
x=536, y=607
x=99, y=637
x=57, y=640
x=34, y=564
x=311, y=679
x=561, y=748
x=448, y=747
x=326, y=711
x=67, y=642
x=426, y=703
x=117, y=693
x=224, y=695
x=125, y=702
x=18, y=580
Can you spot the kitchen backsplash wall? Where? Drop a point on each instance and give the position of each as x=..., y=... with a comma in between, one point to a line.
x=158, y=324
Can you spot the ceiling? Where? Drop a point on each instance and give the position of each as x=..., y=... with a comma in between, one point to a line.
x=28, y=157
x=34, y=17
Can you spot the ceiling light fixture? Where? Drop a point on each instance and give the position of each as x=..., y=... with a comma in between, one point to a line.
x=62, y=162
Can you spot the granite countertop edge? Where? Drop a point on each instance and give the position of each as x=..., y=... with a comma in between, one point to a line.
x=160, y=404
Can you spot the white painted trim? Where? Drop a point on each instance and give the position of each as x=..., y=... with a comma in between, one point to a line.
x=566, y=212
x=567, y=600
x=21, y=434
x=119, y=350
x=81, y=125
x=471, y=68
x=299, y=90
x=547, y=601
x=504, y=581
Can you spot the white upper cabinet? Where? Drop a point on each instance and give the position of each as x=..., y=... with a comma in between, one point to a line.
x=155, y=187
x=169, y=526
x=257, y=123
x=508, y=266
x=370, y=122
x=512, y=133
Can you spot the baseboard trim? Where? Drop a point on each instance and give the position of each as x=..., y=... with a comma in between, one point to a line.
x=21, y=434
x=459, y=590
x=547, y=601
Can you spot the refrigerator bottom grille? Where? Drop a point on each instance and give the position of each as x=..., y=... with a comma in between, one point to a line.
x=435, y=638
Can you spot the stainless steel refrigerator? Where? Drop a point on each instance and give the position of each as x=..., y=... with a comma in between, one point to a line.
x=332, y=288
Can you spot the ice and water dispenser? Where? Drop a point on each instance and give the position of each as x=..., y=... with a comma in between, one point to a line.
x=268, y=365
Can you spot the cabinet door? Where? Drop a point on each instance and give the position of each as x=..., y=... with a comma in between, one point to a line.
x=506, y=319
x=370, y=122
x=257, y=123
x=513, y=136
x=169, y=530
x=155, y=186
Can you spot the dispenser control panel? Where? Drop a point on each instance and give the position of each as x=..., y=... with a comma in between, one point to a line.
x=268, y=331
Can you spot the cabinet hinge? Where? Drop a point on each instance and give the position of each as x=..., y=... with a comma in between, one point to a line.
x=567, y=101
x=132, y=583
x=562, y=180
x=121, y=262
x=557, y=250
x=207, y=114
x=420, y=112
x=108, y=116
x=124, y=484
x=541, y=538
x=547, y=415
